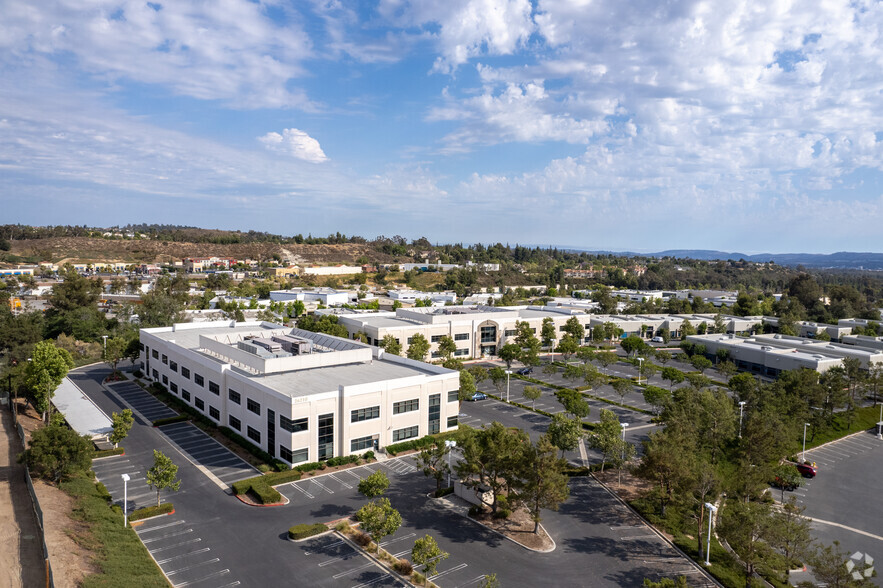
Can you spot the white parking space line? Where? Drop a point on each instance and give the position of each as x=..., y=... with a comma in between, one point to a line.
x=158, y=527
x=166, y=536
x=358, y=569
x=320, y=485
x=188, y=568
x=402, y=538
x=214, y=575
x=474, y=580
x=308, y=495
x=401, y=553
x=174, y=557
x=322, y=548
x=337, y=559
x=835, y=452
x=353, y=474
x=339, y=481
x=446, y=572
x=636, y=537
x=372, y=582
x=197, y=540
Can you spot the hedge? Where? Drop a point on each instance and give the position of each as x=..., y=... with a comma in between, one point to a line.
x=266, y=494
x=169, y=420
x=421, y=443
x=108, y=452
x=303, y=531
x=151, y=511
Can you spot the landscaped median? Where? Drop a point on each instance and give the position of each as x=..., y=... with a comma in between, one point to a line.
x=152, y=511
x=260, y=491
x=304, y=531
x=109, y=452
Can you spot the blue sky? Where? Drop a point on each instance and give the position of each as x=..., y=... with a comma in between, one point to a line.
x=749, y=126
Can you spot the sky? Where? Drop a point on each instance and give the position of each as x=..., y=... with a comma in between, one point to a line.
x=751, y=126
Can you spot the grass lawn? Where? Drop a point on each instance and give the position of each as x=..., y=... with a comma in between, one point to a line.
x=122, y=558
x=864, y=419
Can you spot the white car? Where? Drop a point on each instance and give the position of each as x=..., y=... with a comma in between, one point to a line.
x=658, y=340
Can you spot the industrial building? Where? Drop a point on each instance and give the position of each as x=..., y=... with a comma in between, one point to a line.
x=300, y=396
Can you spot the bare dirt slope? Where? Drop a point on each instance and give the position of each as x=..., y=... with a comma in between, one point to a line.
x=60, y=249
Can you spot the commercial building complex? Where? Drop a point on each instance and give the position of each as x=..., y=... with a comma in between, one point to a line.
x=300, y=396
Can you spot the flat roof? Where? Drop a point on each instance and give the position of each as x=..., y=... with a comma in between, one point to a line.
x=187, y=334
x=328, y=378
x=80, y=412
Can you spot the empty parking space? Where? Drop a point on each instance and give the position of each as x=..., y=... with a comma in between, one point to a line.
x=109, y=471
x=208, y=453
x=337, y=563
x=344, y=481
x=842, y=449
x=183, y=555
x=141, y=401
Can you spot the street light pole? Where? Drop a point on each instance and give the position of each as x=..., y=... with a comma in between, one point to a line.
x=105, y=346
x=640, y=369
x=741, y=407
x=508, y=373
x=450, y=445
x=880, y=424
x=622, y=451
x=803, y=457
x=125, y=499
x=711, y=510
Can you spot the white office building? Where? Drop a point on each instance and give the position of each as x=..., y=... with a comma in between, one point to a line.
x=300, y=396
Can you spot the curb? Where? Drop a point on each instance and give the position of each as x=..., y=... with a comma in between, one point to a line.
x=140, y=522
x=243, y=501
x=373, y=558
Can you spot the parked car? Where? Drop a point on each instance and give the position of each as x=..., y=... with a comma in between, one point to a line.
x=807, y=469
x=478, y=396
x=525, y=371
x=658, y=340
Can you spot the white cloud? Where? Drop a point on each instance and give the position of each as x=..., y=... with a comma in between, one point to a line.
x=296, y=143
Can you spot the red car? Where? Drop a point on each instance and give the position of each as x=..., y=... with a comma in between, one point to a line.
x=808, y=470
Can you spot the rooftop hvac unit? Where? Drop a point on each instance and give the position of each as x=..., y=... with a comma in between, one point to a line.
x=268, y=344
x=250, y=347
x=294, y=345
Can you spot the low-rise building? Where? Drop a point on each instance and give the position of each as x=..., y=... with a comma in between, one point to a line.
x=202, y=264
x=324, y=296
x=332, y=270
x=300, y=396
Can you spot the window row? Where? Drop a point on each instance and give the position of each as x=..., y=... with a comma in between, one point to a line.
x=365, y=414
x=403, y=434
x=406, y=406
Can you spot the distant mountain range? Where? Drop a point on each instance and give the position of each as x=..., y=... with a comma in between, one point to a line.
x=841, y=259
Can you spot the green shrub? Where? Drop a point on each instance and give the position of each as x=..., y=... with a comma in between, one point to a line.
x=421, y=443
x=308, y=467
x=138, y=373
x=368, y=456
x=169, y=420
x=108, y=452
x=403, y=567
x=151, y=511
x=342, y=460
x=475, y=510
x=303, y=531
x=322, y=466
x=263, y=468
x=444, y=491
x=362, y=538
x=266, y=494
x=101, y=490
x=259, y=484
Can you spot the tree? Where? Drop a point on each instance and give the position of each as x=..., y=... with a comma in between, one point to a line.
x=163, y=474
x=374, y=485
x=379, y=518
x=573, y=402
x=433, y=463
x=447, y=347
x=564, y=432
x=56, y=451
x=122, y=424
x=633, y=344
x=622, y=387
x=585, y=354
x=418, y=347
x=490, y=458
x=48, y=367
x=700, y=362
x=575, y=329
x=467, y=385
x=607, y=438
x=116, y=349
x=498, y=376
x=829, y=566
x=663, y=357
x=656, y=397
x=391, y=345
x=509, y=352
x=427, y=553
x=567, y=347
x=533, y=394
x=687, y=329
x=792, y=532
x=606, y=358
x=747, y=527
x=543, y=482
x=479, y=374
x=490, y=581
x=547, y=332
x=528, y=344
x=667, y=464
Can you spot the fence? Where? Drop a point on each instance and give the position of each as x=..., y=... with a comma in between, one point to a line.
x=50, y=583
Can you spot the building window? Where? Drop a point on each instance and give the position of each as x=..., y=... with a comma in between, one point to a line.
x=141, y=346
x=253, y=406
x=453, y=395
x=185, y=395
x=461, y=352
x=461, y=337
x=562, y=328
x=293, y=425
x=452, y=421
x=200, y=404
x=234, y=422
x=155, y=375
x=437, y=338
x=297, y=456
x=174, y=387
x=410, y=340
x=488, y=334
x=326, y=436
x=362, y=443
x=165, y=380
x=165, y=359
x=253, y=434
x=199, y=380
x=405, y=406
x=509, y=333
x=213, y=388
x=434, y=413
x=173, y=365
x=436, y=354
x=214, y=413
x=185, y=372
x=234, y=396
x=155, y=354
x=365, y=414
x=403, y=434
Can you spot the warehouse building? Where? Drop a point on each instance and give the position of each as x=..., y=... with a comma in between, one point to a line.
x=300, y=396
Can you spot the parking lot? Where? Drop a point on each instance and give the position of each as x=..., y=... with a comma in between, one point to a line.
x=141, y=401
x=343, y=481
x=183, y=554
x=109, y=471
x=343, y=565
x=207, y=453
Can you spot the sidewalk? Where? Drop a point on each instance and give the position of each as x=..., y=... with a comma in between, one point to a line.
x=21, y=559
